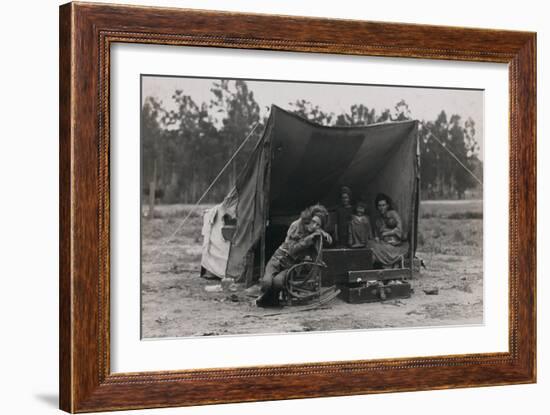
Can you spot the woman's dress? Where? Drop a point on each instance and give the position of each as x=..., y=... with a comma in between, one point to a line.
x=295, y=248
x=388, y=249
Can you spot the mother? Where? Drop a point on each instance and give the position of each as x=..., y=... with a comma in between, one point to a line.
x=389, y=245
x=298, y=245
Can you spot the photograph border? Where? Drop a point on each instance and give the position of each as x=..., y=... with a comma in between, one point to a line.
x=86, y=33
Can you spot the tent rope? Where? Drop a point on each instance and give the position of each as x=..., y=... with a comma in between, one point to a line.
x=457, y=159
x=194, y=207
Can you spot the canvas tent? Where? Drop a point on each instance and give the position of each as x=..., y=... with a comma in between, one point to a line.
x=297, y=163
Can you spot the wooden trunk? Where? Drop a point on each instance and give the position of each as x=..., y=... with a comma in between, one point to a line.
x=365, y=293
x=378, y=275
x=340, y=261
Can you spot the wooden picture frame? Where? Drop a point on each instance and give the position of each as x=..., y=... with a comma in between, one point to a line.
x=86, y=33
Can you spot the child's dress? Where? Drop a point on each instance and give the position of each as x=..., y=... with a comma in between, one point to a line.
x=359, y=231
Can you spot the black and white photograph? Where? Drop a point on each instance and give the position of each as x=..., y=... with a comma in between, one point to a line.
x=275, y=206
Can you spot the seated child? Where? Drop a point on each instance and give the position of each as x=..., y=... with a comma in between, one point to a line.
x=359, y=230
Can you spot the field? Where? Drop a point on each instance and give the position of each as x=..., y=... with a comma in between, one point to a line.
x=176, y=302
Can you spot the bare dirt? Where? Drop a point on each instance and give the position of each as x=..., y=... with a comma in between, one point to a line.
x=176, y=302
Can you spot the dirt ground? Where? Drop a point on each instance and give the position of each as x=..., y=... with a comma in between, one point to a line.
x=176, y=302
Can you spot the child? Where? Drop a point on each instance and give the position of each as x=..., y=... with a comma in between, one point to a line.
x=389, y=231
x=359, y=230
x=343, y=217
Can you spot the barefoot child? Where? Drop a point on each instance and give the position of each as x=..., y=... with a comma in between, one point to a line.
x=359, y=231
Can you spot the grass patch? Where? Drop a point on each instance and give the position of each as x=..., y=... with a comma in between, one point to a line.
x=465, y=215
x=450, y=237
x=451, y=209
x=458, y=236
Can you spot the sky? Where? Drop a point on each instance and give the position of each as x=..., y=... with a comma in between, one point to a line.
x=424, y=103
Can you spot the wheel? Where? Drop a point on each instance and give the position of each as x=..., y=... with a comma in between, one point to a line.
x=303, y=281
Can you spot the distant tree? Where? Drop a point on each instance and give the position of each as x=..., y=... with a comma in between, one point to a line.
x=241, y=112
x=443, y=176
x=358, y=115
x=433, y=158
x=384, y=117
x=151, y=131
x=307, y=110
x=472, y=146
x=402, y=111
x=152, y=116
x=182, y=171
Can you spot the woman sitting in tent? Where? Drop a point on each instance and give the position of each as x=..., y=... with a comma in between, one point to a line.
x=300, y=243
x=388, y=246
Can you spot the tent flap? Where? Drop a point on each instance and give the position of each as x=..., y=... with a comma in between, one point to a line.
x=252, y=207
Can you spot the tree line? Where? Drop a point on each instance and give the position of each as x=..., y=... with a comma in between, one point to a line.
x=184, y=149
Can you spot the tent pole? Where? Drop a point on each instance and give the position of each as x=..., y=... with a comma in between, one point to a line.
x=264, y=224
x=413, y=233
x=262, y=250
x=262, y=237
x=265, y=216
x=416, y=203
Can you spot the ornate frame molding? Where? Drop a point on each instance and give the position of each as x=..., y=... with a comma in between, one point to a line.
x=86, y=33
